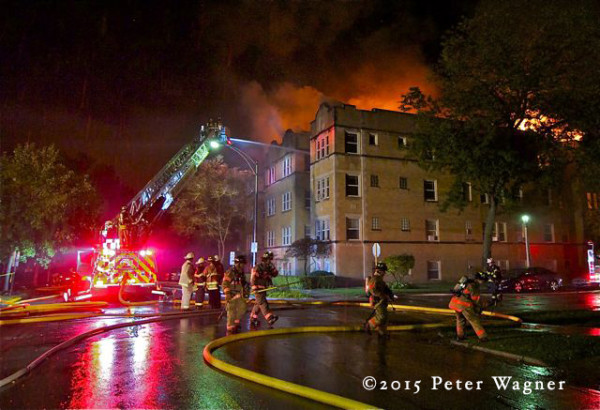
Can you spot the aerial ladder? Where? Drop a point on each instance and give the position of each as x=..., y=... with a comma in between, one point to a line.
x=121, y=248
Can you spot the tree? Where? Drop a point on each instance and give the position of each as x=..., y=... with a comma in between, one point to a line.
x=509, y=79
x=214, y=203
x=400, y=265
x=44, y=205
x=307, y=248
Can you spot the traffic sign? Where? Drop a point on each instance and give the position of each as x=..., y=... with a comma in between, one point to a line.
x=231, y=257
x=254, y=247
x=376, y=250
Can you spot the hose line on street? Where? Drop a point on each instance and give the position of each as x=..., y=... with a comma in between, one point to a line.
x=68, y=343
x=288, y=387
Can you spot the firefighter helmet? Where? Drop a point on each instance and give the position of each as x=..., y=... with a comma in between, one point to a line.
x=216, y=258
x=240, y=259
x=490, y=260
x=190, y=255
x=200, y=260
x=210, y=259
x=381, y=266
x=267, y=255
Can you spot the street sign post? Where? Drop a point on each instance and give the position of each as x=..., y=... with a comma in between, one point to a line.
x=376, y=251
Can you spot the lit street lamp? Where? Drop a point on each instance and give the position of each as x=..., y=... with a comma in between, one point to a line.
x=525, y=220
x=253, y=165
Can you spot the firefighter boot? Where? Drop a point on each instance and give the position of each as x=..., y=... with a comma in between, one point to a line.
x=272, y=319
x=254, y=323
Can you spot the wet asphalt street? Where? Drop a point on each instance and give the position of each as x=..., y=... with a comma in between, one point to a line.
x=160, y=365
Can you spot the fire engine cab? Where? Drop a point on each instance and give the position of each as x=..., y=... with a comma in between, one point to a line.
x=120, y=257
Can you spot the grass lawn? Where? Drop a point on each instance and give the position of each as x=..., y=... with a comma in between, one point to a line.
x=288, y=294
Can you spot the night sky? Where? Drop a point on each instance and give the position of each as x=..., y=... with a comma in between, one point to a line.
x=124, y=84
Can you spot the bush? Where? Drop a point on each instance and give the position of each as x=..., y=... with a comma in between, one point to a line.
x=319, y=279
x=315, y=280
x=399, y=266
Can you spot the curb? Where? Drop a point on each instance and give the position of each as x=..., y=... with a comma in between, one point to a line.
x=519, y=358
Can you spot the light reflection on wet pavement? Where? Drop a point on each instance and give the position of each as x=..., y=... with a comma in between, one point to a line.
x=159, y=365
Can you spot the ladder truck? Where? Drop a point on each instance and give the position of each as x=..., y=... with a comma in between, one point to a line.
x=121, y=249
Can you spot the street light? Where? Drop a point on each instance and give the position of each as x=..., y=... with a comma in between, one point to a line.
x=525, y=220
x=253, y=165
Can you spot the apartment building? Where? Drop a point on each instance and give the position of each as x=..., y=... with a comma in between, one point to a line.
x=286, y=199
x=367, y=189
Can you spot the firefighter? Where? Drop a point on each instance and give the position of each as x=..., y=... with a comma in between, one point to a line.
x=379, y=297
x=200, y=279
x=260, y=279
x=186, y=280
x=467, y=306
x=235, y=289
x=220, y=268
x=212, y=284
x=124, y=227
x=494, y=276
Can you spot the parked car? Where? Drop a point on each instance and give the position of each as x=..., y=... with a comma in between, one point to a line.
x=527, y=279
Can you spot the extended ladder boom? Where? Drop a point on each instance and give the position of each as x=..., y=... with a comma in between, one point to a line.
x=158, y=194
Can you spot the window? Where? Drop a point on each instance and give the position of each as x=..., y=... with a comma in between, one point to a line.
x=351, y=143
x=271, y=175
x=548, y=232
x=352, y=228
x=322, y=146
x=352, y=188
x=467, y=192
x=484, y=198
x=375, y=181
x=307, y=199
x=431, y=229
x=498, y=231
x=307, y=231
x=430, y=190
x=373, y=139
x=285, y=268
x=322, y=189
x=322, y=229
x=592, y=200
x=286, y=235
x=403, y=183
x=287, y=166
x=405, y=224
x=518, y=195
x=286, y=201
x=270, y=206
x=468, y=230
x=501, y=229
x=270, y=238
x=326, y=265
x=402, y=142
x=433, y=270
x=375, y=224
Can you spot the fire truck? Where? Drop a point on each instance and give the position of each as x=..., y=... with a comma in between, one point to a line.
x=121, y=254
x=593, y=262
